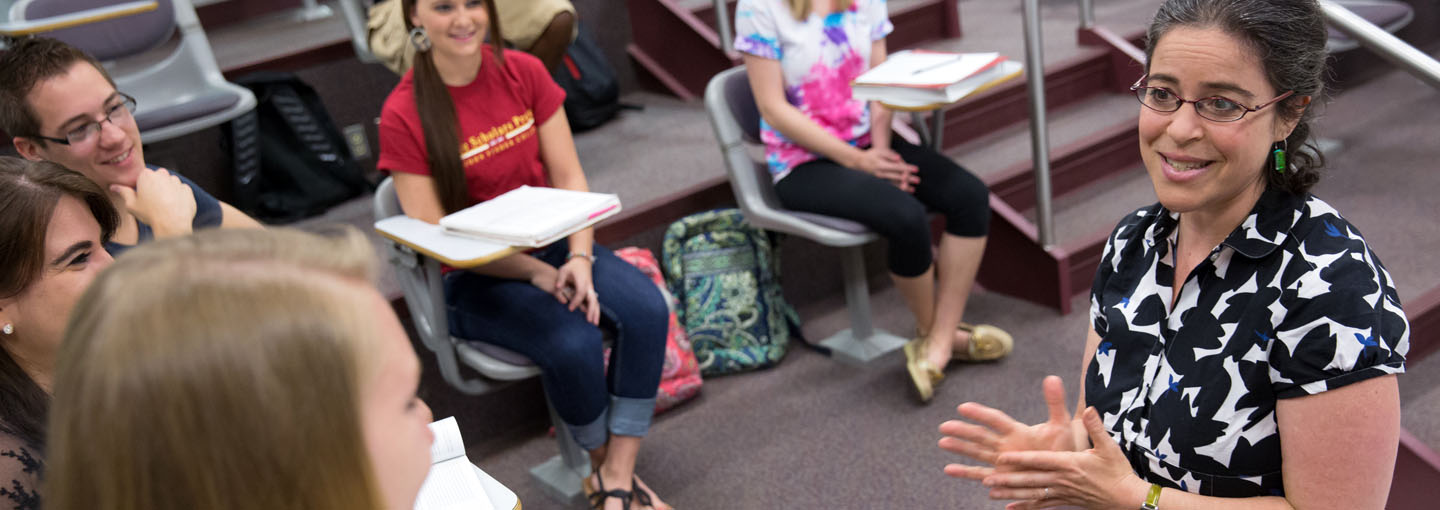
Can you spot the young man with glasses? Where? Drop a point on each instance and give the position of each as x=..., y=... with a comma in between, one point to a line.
x=60, y=105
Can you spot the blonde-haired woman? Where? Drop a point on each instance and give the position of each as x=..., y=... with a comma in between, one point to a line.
x=834, y=155
x=237, y=370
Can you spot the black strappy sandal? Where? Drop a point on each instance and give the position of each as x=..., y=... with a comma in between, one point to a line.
x=597, y=498
x=641, y=497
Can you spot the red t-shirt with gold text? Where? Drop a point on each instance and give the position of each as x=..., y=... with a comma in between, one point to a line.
x=499, y=114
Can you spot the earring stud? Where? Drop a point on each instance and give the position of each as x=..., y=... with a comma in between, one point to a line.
x=9, y=329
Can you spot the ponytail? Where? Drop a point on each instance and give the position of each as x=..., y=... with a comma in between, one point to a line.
x=438, y=120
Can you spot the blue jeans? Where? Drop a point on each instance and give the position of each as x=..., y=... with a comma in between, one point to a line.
x=519, y=316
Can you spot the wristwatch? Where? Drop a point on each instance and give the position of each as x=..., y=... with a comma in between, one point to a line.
x=1152, y=500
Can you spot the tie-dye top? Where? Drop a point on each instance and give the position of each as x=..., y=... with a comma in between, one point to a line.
x=819, y=57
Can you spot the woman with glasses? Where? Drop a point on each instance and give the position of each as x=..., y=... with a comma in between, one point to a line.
x=60, y=105
x=53, y=223
x=1244, y=338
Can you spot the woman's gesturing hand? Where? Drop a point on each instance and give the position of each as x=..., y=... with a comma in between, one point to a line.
x=994, y=432
x=886, y=164
x=1099, y=477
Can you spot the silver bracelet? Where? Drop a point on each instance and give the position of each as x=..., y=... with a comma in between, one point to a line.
x=580, y=254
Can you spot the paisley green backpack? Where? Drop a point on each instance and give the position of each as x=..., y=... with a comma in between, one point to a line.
x=726, y=275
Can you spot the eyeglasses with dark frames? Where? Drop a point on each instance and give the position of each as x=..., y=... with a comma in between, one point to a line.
x=1215, y=108
x=115, y=114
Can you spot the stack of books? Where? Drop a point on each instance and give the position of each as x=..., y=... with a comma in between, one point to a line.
x=920, y=78
x=532, y=216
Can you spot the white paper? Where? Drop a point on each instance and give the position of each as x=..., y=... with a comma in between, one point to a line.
x=920, y=97
x=448, y=442
x=529, y=216
x=453, y=483
x=432, y=237
x=922, y=68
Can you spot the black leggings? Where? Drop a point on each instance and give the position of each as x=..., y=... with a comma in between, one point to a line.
x=824, y=187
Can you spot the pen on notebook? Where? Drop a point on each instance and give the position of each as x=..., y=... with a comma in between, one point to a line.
x=937, y=65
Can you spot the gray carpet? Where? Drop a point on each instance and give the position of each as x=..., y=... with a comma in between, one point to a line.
x=814, y=433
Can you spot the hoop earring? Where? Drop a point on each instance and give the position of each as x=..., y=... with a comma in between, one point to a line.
x=9, y=329
x=419, y=39
x=1279, y=155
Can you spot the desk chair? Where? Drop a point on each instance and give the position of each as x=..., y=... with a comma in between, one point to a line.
x=736, y=122
x=420, y=280
x=160, y=56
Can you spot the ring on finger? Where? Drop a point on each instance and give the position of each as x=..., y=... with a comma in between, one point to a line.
x=1047, y=494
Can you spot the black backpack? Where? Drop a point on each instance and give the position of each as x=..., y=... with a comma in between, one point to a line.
x=290, y=160
x=592, y=94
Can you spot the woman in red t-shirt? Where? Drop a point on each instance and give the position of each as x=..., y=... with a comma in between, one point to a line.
x=469, y=122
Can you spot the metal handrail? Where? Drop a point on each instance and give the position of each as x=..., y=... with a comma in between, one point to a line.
x=1039, y=130
x=722, y=26
x=1398, y=52
x=1087, y=14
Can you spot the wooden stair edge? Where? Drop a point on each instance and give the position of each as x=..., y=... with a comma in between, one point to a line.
x=1067, y=82
x=1072, y=167
x=1014, y=263
x=1424, y=315
x=651, y=47
x=1417, y=467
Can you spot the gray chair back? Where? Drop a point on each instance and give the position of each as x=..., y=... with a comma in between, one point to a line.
x=176, y=82
x=736, y=121
x=109, y=39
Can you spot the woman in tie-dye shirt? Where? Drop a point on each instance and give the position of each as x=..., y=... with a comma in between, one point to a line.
x=832, y=154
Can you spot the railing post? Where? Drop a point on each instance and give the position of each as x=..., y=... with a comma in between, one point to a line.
x=1039, y=131
x=1388, y=46
x=722, y=26
x=1087, y=14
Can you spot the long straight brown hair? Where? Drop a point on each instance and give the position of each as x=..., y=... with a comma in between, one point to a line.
x=437, y=115
x=29, y=193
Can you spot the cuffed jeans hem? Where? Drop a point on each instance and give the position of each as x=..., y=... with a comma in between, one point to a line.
x=591, y=435
x=631, y=416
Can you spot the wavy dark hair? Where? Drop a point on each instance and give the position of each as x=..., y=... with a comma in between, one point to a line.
x=1289, y=38
x=29, y=192
x=437, y=115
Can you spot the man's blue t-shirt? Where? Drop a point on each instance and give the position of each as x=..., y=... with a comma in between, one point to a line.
x=207, y=214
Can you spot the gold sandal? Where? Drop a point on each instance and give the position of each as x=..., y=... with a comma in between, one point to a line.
x=987, y=343
x=923, y=375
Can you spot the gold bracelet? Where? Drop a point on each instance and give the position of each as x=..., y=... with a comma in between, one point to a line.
x=1152, y=500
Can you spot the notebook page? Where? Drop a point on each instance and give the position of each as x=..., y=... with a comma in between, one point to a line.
x=448, y=443
x=452, y=485
x=921, y=68
x=527, y=212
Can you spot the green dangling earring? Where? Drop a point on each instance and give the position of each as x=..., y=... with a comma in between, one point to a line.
x=1279, y=155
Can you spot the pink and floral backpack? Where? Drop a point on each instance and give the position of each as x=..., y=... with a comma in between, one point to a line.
x=680, y=379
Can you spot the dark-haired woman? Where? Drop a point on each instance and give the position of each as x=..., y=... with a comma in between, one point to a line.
x=469, y=122
x=53, y=226
x=1244, y=338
